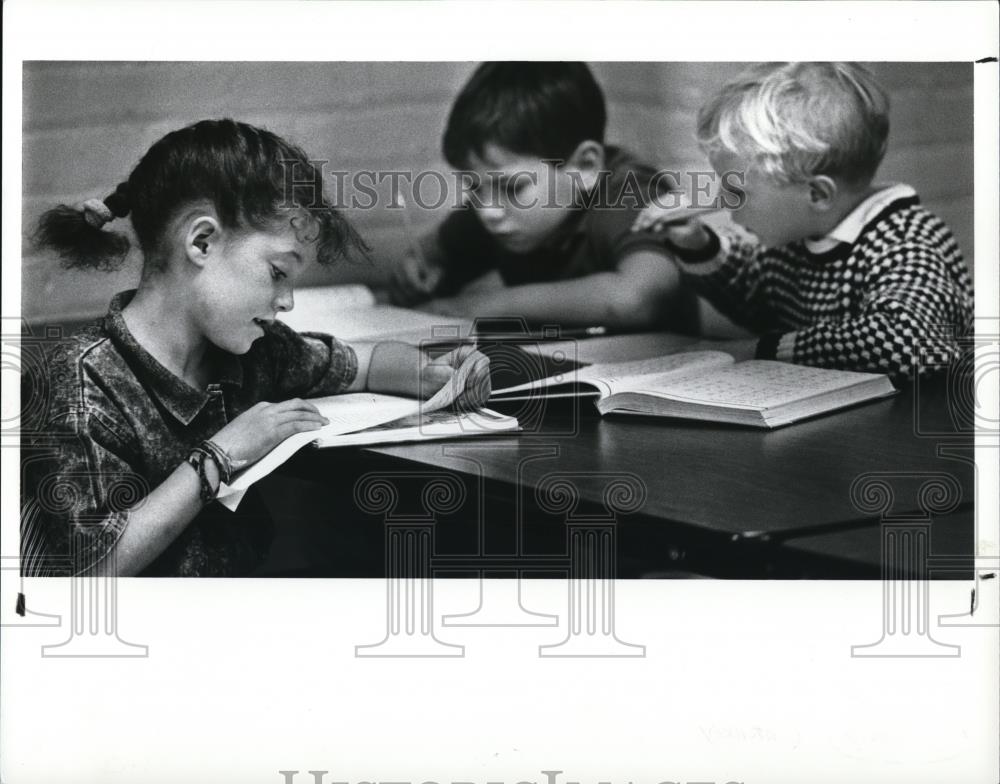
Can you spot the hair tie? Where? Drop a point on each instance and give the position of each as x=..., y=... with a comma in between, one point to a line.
x=118, y=201
x=96, y=213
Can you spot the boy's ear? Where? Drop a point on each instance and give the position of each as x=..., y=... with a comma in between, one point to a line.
x=588, y=160
x=822, y=193
x=202, y=236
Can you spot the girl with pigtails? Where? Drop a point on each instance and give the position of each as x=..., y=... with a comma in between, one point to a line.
x=189, y=377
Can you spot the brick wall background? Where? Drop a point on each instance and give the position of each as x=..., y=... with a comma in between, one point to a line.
x=86, y=124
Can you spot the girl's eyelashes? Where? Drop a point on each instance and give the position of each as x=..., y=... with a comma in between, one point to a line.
x=277, y=274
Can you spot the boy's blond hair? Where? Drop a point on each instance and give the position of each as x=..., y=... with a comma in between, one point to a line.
x=797, y=120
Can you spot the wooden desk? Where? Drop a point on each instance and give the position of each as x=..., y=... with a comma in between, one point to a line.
x=719, y=500
x=858, y=552
x=739, y=481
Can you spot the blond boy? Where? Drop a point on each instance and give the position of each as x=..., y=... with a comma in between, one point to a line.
x=842, y=272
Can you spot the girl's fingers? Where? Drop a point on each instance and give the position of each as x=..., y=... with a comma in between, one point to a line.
x=455, y=357
x=290, y=428
x=435, y=376
x=283, y=417
x=305, y=415
x=479, y=389
x=295, y=404
x=477, y=384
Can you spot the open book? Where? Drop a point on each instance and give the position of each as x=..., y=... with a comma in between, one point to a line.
x=712, y=386
x=425, y=427
x=369, y=418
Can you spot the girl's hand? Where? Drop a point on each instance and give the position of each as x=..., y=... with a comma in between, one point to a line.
x=260, y=429
x=402, y=369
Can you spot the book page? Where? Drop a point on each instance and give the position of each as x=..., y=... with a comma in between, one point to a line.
x=618, y=376
x=347, y=414
x=456, y=385
x=616, y=348
x=657, y=371
x=361, y=410
x=424, y=427
x=757, y=385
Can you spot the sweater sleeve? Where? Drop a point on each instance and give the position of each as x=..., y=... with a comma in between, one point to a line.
x=729, y=273
x=909, y=321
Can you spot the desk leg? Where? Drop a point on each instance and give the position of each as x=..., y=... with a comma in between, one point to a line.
x=906, y=546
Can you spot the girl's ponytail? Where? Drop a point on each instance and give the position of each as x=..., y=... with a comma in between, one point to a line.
x=242, y=171
x=77, y=234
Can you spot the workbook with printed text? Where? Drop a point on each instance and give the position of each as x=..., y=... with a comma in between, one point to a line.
x=711, y=386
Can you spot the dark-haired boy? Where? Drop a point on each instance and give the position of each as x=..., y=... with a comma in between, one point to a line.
x=544, y=233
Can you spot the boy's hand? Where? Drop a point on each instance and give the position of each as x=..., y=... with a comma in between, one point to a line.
x=677, y=223
x=402, y=369
x=260, y=429
x=691, y=236
x=413, y=279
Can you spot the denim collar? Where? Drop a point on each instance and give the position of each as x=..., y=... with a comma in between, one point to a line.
x=181, y=399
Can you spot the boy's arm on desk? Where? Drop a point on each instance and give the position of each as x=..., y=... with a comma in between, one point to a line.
x=631, y=297
x=491, y=281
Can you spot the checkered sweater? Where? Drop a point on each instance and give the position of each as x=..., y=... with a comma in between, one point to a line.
x=892, y=302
